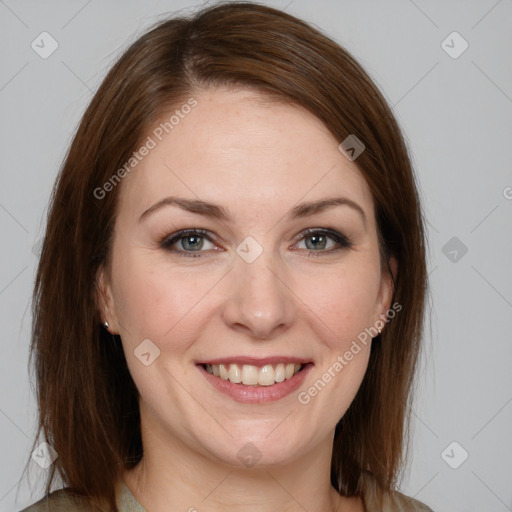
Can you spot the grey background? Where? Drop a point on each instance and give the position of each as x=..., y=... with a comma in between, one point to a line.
x=457, y=116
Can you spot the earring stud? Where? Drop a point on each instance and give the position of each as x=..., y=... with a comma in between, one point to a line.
x=106, y=325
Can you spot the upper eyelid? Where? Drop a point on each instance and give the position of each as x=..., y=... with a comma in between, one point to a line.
x=180, y=234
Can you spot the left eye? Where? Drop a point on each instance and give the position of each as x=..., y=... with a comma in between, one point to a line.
x=320, y=240
x=196, y=240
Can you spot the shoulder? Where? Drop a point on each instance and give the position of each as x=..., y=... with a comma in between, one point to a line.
x=378, y=501
x=399, y=502
x=63, y=500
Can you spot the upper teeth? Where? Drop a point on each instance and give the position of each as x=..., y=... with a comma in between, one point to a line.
x=251, y=375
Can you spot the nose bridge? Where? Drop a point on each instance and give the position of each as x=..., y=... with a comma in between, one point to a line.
x=259, y=300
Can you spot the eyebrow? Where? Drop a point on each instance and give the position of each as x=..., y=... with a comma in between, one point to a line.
x=215, y=211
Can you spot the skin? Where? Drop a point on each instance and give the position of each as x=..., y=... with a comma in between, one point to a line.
x=257, y=159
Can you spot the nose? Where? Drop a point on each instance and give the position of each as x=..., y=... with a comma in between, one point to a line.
x=260, y=302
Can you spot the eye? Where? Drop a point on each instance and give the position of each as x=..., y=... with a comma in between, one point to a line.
x=191, y=242
x=322, y=241
x=188, y=242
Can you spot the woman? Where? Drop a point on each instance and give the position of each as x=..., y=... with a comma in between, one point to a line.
x=229, y=302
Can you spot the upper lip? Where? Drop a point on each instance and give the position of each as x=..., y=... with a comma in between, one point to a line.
x=256, y=361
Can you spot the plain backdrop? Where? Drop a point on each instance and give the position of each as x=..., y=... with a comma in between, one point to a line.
x=455, y=106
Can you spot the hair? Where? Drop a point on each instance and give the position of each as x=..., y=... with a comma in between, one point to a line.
x=87, y=401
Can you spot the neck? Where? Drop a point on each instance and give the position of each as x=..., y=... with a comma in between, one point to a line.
x=175, y=476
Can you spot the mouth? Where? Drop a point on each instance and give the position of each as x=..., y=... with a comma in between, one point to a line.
x=258, y=382
x=252, y=375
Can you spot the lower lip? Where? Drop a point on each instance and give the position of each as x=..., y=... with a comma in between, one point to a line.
x=257, y=394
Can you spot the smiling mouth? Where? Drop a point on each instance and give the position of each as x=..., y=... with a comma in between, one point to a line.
x=249, y=375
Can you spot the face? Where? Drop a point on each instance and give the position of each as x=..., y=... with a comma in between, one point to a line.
x=260, y=282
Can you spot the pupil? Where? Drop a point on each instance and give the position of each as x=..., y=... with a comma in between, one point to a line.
x=194, y=244
x=317, y=240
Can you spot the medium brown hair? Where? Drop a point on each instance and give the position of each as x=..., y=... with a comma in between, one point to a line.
x=87, y=400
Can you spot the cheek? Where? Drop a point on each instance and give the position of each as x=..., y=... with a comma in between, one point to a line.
x=340, y=309
x=343, y=302
x=153, y=299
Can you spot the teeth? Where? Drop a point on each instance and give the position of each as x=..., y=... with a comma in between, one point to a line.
x=223, y=372
x=266, y=376
x=250, y=375
x=280, y=373
x=234, y=374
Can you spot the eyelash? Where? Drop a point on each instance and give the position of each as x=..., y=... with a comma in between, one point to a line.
x=343, y=241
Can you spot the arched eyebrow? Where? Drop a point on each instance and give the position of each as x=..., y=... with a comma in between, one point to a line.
x=313, y=207
x=216, y=211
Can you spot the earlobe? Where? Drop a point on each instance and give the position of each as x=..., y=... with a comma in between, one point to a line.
x=393, y=269
x=105, y=301
x=386, y=292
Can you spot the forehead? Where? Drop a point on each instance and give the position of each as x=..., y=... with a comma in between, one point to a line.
x=238, y=148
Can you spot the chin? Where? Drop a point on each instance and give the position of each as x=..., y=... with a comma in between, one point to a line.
x=256, y=451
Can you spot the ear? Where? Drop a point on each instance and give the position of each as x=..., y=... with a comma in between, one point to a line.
x=105, y=300
x=385, y=295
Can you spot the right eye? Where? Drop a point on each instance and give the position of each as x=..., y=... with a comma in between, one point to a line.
x=188, y=242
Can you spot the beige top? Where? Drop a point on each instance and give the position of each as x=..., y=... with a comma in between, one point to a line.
x=63, y=501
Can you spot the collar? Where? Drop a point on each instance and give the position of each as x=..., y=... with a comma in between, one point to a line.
x=125, y=500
